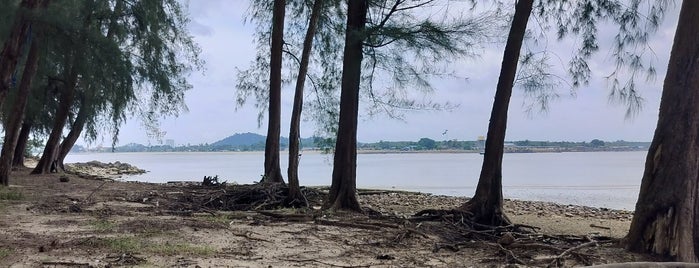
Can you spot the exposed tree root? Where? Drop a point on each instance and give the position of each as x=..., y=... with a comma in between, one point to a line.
x=326, y=263
x=649, y=265
x=517, y=243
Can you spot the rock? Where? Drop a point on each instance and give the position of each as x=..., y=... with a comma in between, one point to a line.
x=506, y=239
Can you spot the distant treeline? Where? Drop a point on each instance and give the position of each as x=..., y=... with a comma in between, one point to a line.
x=423, y=144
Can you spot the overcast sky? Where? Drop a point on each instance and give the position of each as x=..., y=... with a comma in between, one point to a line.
x=226, y=42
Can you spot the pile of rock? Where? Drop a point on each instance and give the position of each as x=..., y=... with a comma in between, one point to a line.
x=407, y=203
x=99, y=170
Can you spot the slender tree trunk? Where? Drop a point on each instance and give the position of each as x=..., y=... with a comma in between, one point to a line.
x=344, y=181
x=49, y=156
x=18, y=158
x=75, y=131
x=665, y=221
x=13, y=44
x=486, y=204
x=14, y=122
x=273, y=172
x=295, y=195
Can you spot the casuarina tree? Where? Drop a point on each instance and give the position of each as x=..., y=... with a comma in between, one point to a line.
x=388, y=36
x=666, y=219
x=579, y=18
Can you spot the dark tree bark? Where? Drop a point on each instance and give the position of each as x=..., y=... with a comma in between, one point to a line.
x=344, y=181
x=665, y=221
x=18, y=158
x=273, y=172
x=14, y=121
x=486, y=204
x=75, y=131
x=13, y=44
x=48, y=160
x=295, y=195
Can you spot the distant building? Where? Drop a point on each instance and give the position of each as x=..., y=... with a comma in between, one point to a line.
x=170, y=142
x=480, y=142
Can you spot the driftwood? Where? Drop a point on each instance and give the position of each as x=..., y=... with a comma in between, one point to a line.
x=326, y=263
x=65, y=263
x=649, y=265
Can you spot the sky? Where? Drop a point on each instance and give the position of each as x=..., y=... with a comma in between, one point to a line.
x=227, y=44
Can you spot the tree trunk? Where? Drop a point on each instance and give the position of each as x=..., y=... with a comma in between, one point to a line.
x=486, y=204
x=75, y=131
x=295, y=195
x=344, y=181
x=13, y=44
x=48, y=161
x=14, y=122
x=665, y=221
x=18, y=158
x=273, y=172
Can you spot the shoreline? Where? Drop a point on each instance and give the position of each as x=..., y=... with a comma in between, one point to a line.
x=389, y=151
x=105, y=222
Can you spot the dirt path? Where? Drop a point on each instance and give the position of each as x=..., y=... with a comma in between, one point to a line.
x=92, y=223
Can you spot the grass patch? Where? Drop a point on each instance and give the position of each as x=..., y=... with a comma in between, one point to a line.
x=182, y=249
x=138, y=245
x=9, y=194
x=102, y=225
x=4, y=252
x=123, y=244
x=220, y=218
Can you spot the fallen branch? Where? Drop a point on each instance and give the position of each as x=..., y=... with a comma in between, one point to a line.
x=66, y=263
x=599, y=226
x=247, y=235
x=95, y=190
x=348, y=224
x=326, y=263
x=556, y=260
x=290, y=217
x=509, y=253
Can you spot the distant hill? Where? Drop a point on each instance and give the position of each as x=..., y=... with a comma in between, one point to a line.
x=241, y=139
x=251, y=139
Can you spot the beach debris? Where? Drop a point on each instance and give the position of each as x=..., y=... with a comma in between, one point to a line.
x=213, y=181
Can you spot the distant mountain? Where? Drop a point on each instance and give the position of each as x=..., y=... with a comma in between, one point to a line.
x=251, y=139
x=241, y=139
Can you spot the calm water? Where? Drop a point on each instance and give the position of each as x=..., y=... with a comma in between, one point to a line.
x=601, y=179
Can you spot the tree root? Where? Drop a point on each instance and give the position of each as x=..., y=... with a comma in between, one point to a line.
x=326, y=263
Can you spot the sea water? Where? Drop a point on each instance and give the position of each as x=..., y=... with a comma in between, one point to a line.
x=599, y=179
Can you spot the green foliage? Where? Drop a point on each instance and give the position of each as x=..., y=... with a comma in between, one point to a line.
x=136, y=244
x=132, y=58
x=596, y=143
x=404, y=49
x=102, y=225
x=4, y=252
x=580, y=21
x=34, y=143
x=427, y=144
x=7, y=193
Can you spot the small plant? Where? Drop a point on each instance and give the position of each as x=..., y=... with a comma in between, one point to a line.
x=8, y=194
x=102, y=225
x=4, y=252
x=224, y=219
x=136, y=244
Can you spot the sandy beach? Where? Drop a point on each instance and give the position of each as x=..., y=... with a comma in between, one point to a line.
x=47, y=222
